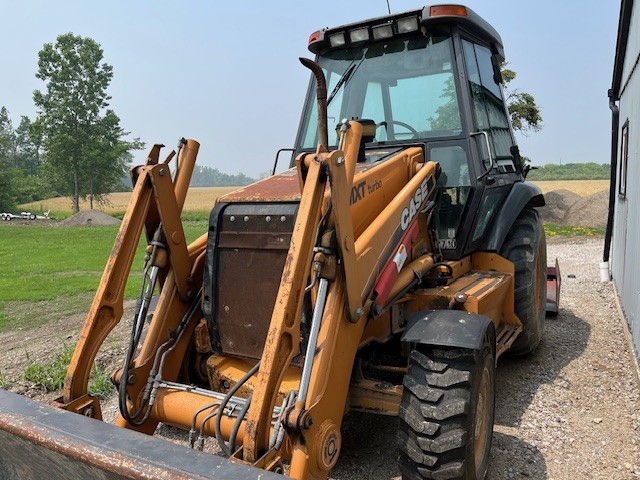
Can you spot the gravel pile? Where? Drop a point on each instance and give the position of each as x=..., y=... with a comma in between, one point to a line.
x=591, y=211
x=568, y=209
x=87, y=218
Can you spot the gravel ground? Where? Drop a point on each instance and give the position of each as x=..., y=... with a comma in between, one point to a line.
x=570, y=411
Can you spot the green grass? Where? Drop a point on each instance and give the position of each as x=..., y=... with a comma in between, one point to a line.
x=50, y=375
x=62, y=266
x=557, y=231
x=65, y=264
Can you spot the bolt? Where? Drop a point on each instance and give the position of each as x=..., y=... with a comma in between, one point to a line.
x=161, y=172
x=232, y=218
x=268, y=218
x=340, y=161
x=461, y=298
x=359, y=312
x=283, y=218
x=246, y=218
x=308, y=421
x=131, y=378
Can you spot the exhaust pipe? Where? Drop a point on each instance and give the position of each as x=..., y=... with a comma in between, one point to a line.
x=321, y=90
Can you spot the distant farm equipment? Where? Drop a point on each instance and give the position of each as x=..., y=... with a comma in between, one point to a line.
x=24, y=216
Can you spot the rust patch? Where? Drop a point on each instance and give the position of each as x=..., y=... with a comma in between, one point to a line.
x=283, y=187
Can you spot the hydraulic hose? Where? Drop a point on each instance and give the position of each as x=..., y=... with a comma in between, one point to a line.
x=223, y=405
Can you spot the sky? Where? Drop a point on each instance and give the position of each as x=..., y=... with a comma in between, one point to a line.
x=227, y=73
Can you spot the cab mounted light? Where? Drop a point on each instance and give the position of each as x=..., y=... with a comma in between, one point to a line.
x=314, y=37
x=407, y=24
x=337, y=39
x=359, y=35
x=444, y=10
x=382, y=31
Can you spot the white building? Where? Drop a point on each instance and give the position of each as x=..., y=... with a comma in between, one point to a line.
x=623, y=231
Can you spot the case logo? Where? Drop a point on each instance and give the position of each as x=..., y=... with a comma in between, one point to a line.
x=420, y=195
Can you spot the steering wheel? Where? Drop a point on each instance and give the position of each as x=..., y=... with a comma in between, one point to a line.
x=385, y=123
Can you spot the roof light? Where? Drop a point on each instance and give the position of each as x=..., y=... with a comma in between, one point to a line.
x=407, y=24
x=314, y=37
x=442, y=10
x=382, y=31
x=337, y=39
x=359, y=35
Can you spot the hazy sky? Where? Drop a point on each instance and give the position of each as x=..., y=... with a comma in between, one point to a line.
x=227, y=73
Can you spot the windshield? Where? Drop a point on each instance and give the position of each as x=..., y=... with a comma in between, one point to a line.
x=406, y=86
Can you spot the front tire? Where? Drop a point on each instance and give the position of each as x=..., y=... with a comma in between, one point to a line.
x=447, y=412
x=526, y=247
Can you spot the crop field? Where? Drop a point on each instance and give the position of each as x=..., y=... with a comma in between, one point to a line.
x=201, y=199
x=584, y=188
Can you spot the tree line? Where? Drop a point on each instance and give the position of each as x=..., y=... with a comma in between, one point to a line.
x=212, y=177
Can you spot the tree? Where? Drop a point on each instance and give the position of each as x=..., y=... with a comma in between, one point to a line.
x=28, y=138
x=7, y=137
x=7, y=184
x=110, y=157
x=525, y=113
x=83, y=143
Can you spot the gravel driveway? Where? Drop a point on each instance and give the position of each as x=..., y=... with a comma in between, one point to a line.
x=570, y=411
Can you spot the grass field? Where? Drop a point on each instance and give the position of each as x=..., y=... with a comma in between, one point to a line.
x=39, y=263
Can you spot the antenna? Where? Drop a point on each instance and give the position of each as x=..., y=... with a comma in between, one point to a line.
x=388, y=7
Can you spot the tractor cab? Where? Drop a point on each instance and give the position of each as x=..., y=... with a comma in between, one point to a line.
x=431, y=78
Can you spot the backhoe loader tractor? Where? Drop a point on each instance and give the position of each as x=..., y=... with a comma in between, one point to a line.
x=384, y=272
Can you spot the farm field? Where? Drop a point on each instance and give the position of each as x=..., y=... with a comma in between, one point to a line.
x=584, y=188
x=201, y=199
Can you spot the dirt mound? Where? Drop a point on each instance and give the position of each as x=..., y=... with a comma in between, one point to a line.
x=557, y=203
x=87, y=218
x=591, y=211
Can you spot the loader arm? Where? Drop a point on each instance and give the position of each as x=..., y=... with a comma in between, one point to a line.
x=348, y=270
x=155, y=202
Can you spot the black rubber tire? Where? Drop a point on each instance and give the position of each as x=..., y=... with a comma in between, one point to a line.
x=447, y=413
x=526, y=247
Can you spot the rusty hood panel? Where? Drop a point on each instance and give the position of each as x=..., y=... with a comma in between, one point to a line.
x=282, y=187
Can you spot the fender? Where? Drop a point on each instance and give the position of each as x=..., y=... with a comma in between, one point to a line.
x=522, y=195
x=447, y=328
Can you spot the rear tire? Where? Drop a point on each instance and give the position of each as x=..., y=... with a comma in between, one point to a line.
x=526, y=247
x=447, y=412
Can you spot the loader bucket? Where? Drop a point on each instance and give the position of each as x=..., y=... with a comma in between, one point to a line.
x=554, y=279
x=39, y=441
